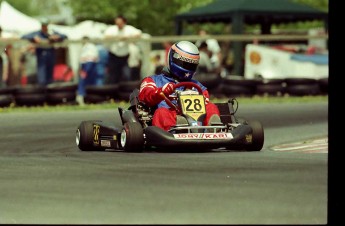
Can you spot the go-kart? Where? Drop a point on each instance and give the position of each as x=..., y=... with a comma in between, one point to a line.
x=134, y=131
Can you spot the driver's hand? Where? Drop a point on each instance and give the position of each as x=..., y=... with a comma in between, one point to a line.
x=168, y=88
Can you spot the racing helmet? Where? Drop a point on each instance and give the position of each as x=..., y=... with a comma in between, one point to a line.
x=183, y=60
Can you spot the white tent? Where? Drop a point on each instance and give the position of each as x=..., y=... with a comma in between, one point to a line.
x=16, y=22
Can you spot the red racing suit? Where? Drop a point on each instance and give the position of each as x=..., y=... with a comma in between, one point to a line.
x=164, y=116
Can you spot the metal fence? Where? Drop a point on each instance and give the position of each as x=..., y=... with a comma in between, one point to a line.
x=146, y=42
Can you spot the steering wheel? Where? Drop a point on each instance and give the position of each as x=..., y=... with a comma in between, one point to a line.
x=186, y=85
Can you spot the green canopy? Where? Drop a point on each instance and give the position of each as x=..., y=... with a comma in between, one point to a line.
x=241, y=12
x=253, y=12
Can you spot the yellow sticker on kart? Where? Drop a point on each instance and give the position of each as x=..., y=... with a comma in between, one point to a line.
x=193, y=105
x=96, y=129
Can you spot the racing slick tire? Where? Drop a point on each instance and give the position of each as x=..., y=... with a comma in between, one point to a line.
x=95, y=98
x=6, y=100
x=30, y=99
x=323, y=83
x=62, y=87
x=132, y=137
x=85, y=136
x=257, y=136
x=60, y=97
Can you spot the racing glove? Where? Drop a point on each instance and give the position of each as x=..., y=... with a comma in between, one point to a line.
x=168, y=88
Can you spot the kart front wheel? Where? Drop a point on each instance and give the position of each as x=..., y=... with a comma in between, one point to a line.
x=85, y=136
x=257, y=136
x=132, y=137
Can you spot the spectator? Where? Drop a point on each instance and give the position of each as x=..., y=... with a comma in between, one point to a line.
x=134, y=62
x=205, y=64
x=28, y=65
x=45, y=54
x=3, y=68
x=157, y=64
x=214, y=48
x=102, y=69
x=88, y=68
x=119, y=49
x=4, y=64
x=167, y=45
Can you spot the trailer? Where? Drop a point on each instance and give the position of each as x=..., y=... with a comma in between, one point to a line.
x=285, y=61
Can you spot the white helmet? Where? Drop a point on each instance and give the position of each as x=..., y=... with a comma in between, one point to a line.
x=183, y=60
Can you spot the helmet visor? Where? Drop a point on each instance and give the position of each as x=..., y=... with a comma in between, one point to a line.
x=184, y=64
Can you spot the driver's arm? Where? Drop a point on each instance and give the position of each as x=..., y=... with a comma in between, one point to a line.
x=207, y=96
x=149, y=93
x=204, y=91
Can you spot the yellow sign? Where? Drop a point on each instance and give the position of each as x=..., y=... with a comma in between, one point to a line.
x=193, y=105
x=96, y=134
x=255, y=57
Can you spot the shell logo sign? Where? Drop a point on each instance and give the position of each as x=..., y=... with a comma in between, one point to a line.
x=255, y=57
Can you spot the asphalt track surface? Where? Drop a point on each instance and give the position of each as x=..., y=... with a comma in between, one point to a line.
x=46, y=179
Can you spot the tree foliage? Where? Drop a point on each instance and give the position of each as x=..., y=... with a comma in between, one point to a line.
x=35, y=8
x=155, y=17
x=318, y=4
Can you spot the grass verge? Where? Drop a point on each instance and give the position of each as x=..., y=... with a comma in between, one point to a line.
x=113, y=105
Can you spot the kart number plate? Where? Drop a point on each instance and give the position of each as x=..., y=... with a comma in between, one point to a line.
x=193, y=105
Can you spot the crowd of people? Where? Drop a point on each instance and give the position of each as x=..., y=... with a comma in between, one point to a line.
x=99, y=64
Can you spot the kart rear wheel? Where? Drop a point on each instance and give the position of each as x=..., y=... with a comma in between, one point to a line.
x=85, y=136
x=257, y=136
x=132, y=137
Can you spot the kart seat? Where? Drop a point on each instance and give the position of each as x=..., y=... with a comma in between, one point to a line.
x=225, y=112
x=141, y=111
